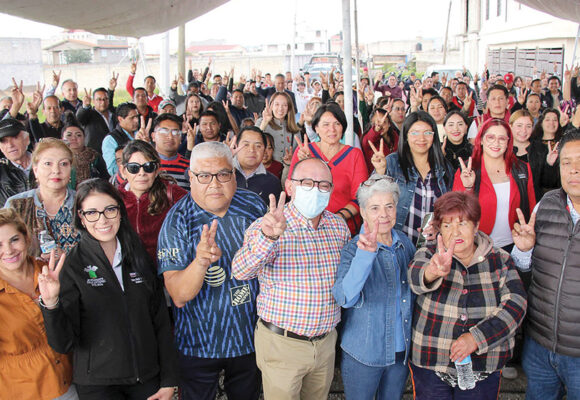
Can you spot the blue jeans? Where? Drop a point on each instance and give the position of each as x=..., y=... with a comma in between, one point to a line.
x=428, y=386
x=364, y=382
x=550, y=374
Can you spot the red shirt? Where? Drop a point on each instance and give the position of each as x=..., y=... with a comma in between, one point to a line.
x=276, y=169
x=375, y=138
x=152, y=101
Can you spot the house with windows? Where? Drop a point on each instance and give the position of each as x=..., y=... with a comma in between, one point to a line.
x=80, y=47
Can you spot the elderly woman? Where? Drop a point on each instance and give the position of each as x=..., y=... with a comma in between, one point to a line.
x=49, y=208
x=87, y=162
x=371, y=285
x=148, y=194
x=29, y=368
x=470, y=303
x=346, y=163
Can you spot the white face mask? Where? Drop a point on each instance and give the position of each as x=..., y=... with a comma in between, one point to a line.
x=310, y=203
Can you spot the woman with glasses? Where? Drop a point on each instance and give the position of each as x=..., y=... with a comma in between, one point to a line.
x=148, y=194
x=87, y=162
x=371, y=285
x=346, y=163
x=48, y=209
x=500, y=181
x=456, y=145
x=29, y=368
x=106, y=305
x=420, y=169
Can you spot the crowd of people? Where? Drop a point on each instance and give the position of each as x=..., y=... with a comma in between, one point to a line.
x=229, y=229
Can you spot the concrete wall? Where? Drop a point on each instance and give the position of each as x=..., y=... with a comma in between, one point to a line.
x=22, y=59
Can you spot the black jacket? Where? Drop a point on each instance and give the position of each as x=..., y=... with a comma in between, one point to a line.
x=95, y=126
x=13, y=180
x=117, y=337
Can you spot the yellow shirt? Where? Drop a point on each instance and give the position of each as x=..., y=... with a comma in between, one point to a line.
x=29, y=368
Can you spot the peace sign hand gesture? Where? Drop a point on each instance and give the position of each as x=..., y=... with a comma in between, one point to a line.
x=48, y=280
x=143, y=133
x=524, y=235
x=368, y=240
x=467, y=102
x=267, y=113
x=378, y=159
x=467, y=174
x=113, y=82
x=207, y=250
x=552, y=154
x=87, y=98
x=440, y=264
x=303, y=149
x=231, y=141
x=190, y=134
x=274, y=222
x=522, y=95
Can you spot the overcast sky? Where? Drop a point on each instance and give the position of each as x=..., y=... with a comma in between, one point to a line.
x=250, y=22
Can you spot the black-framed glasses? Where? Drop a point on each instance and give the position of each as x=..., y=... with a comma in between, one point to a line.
x=205, y=177
x=308, y=184
x=372, y=180
x=109, y=212
x=134, y=168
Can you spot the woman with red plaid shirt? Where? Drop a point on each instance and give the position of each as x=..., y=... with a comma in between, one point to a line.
x=470, y=303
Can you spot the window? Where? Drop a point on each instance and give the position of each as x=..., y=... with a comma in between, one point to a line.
x=308, y=46
x=103, y=53
x=318, y=34
x=498, y=8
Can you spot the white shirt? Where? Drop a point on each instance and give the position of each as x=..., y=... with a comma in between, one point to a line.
x=501, y=233
x=118, y=264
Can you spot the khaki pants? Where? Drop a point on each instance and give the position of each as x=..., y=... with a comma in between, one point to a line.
x=294, y=369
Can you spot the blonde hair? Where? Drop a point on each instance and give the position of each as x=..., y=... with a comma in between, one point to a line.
x=9, y=216
x=519, y=114
x=290, y=119
x=50, y=143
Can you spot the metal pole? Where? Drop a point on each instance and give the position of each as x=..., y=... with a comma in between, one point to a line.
x=181, y=50
x=357, y=58
x=575, y=46
x=292, y=50
x=446, y=34
x=164, y=65
x=347, y=70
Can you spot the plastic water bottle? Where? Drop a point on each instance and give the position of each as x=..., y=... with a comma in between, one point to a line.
x=47, y=242
x=465, y=377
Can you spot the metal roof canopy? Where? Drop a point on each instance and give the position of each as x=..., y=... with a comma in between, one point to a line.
x=133, y=18
x=565, y=9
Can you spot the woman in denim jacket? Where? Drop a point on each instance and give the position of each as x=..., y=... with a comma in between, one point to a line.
x=372, y=286
x=420, y=169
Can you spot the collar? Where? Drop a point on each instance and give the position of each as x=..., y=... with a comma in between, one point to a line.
x=68, y=200
x=573, y=212
x=27, y=169
x=118, y=257
x=261, y=170
x=161, y=156
x=129, y=135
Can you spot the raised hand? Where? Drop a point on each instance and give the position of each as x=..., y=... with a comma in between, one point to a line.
x=17, y=93
x=133, y=67
x=467, y=102
x=190, y=134
x=287, y=159
x=207, y=250
x=440, y=264
x=522, y=95
x=267, y=113
x=567, y=73
x=444, y=144
x=48, y=280
x=174, y=83
x=475, y=78
x=524, y=235
x=113, y=82
x=444, y=79
x=467, y=174
x=303, y=149
x=233, y=145
x=87, y=97
x=274, y=222
x=226, y=106
x=379, y=160
x=370, y=95
x=552, y=155
x=143, y=133
x=564, y=118
x=575, y=71
x=368, y=240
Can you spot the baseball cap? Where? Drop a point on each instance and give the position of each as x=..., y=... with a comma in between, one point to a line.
x=10, y=127
x=166, y=103
x=508, y=78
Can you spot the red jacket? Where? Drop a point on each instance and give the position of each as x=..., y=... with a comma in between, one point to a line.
x=153, y=102
x=148, y=226
x=488, y=199
x=375, y=138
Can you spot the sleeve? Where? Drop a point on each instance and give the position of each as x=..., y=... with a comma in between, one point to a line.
x=312, y=135
x=168, y=366
x=262, y=92
x=172, y=93
x=49, y=91
x=101, y=167
x=84, y=115
x=36, y=129
x=325, y=96
x=204, y=75
x=359, y=175
x=175, y=249
x=416, y=272
x=508, y=315
x=62, y=324
x=472, y=132
x=111, y=94
x=108, y=147
x=458, y=184
x=129, y=85
x=189, y=76
x=222, y=94
x=256, y=252
x=353, y=271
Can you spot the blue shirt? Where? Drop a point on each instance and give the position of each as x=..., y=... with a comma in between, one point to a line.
x=109, y=146
x=219, y=322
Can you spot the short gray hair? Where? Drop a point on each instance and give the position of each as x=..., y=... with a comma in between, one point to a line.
x=377, y=184
x=210, y=150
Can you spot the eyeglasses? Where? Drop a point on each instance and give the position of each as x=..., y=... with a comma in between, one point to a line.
x=165, y=131
x=308, y=184
x=398, y=108
x=371, y=181
x=110, y=212
x=415, y=133
x=205, y=177
x=493, y=139
x=134, y=168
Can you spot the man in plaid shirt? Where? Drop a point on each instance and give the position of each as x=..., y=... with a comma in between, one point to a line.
x=294, y=250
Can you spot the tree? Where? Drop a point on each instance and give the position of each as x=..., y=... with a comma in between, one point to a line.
x=78, y=56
